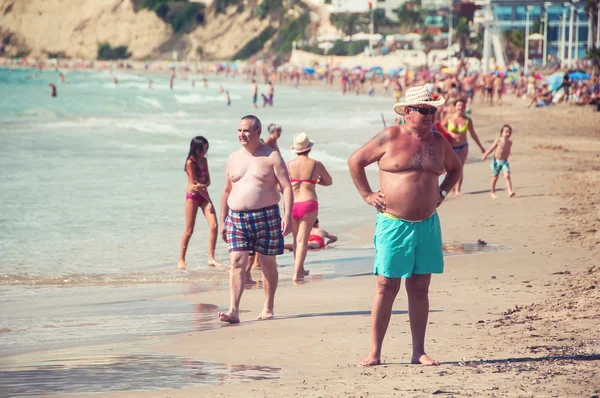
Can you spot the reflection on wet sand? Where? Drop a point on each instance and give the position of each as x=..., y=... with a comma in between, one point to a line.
x=355, y=265
x=124, y=373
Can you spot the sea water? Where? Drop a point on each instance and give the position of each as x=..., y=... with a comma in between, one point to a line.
x=92, y=194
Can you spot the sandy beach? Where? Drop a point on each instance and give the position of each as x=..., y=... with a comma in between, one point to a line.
x=519, y=323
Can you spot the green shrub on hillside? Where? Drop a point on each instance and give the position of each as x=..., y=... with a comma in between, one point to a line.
x=107, y=52
x=290, y=31
x=222, y=5
x=256, y=44
x=180, y=14
x=187, y=15
x=267, y=7
x=348, y=48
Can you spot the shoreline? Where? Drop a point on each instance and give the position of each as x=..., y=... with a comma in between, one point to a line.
x=552, y=170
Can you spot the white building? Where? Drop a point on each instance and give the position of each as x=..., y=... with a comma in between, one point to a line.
x=343, y=6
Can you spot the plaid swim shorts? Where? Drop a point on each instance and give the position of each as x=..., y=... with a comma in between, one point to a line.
x=255, y=231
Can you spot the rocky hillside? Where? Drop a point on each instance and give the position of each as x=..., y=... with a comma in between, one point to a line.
x=225, y=29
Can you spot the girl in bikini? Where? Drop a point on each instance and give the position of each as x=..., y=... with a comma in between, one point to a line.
x=196, y=168
x=305, y=173
x=457, y=125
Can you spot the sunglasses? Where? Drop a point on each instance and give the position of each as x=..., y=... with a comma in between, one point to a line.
x=424, y=111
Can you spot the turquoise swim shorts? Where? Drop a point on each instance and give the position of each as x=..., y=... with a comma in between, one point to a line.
x=403, y=247
x=499, y=166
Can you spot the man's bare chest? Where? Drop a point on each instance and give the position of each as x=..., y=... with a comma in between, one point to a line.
x=252, y=168
x=413, y=157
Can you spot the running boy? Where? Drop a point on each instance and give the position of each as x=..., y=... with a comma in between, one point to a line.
x=502, y=146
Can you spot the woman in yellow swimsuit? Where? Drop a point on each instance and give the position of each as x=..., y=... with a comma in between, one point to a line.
x=458, y=124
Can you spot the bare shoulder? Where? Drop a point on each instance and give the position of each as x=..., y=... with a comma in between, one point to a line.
x=273, y=155
x=233, y=157
x=388, y=134
x=439, y=139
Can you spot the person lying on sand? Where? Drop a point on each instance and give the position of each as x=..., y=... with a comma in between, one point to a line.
x=316, y=239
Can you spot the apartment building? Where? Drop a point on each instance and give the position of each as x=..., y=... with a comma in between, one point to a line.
x=512, y=14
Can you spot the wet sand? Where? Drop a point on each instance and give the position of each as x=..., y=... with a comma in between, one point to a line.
x=516, y=323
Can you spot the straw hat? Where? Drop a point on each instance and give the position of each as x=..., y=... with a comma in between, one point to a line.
x=417, y=96
x=301, y=143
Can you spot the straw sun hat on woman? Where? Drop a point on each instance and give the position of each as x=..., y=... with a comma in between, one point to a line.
x=301, y=143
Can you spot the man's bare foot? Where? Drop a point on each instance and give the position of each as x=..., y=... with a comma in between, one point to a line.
x=510, y=195
x=457, y=193
x=306, y=272
x=266, y=314
x=424, y=360
x=250, y=281
x=493, y=195
x=229, y=316
x=215, y=263
x=371, y=360
x=182, y=265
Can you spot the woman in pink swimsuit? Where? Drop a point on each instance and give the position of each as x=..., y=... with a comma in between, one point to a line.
x=196, y=168
x=305, y=174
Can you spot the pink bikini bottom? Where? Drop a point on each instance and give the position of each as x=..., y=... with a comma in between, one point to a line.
x=301, y=209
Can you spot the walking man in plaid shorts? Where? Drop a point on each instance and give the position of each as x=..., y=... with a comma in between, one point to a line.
x=250, y=214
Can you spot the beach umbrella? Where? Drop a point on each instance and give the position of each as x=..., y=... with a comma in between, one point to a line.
x=555, y=80
x=310, y=71
x=326, y=45
x=329, y=37
x=576, y=76
x=361, y=36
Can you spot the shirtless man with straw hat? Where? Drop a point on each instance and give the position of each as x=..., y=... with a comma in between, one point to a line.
x=250, y=214
x=408, y=238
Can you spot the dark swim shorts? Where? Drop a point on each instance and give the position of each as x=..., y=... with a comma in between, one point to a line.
x=255, y=231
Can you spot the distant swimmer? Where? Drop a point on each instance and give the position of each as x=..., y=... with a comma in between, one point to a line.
x=228, y=98
x=221, y=89
x=52, y=90
x=62, y=77
x=193, y=83
x=171, y=81
x=115, y=80
x=205, y=82
x=268, y=99
x=150, y=83
x=254, y=93
x=274, y=134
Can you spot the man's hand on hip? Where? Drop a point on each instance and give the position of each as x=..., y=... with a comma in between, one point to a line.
x=440, y=200
x=377, y=200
